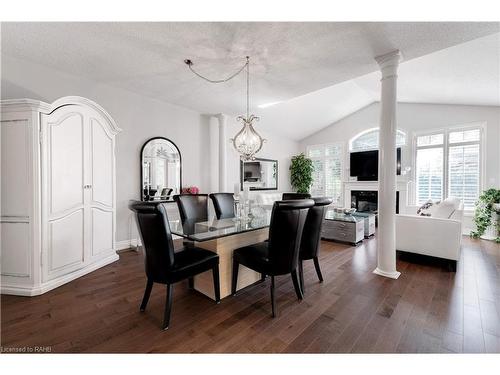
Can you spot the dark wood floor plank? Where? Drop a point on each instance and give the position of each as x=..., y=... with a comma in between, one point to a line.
x=473, y=332
x=428, y=309
x=373, y=329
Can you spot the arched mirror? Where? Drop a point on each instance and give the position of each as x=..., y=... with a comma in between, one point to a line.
x=161, y=170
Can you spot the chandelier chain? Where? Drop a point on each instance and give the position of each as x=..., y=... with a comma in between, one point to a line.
x=189, y=63
x=247, y=141
x=248, y=86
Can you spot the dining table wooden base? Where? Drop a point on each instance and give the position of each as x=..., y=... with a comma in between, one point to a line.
x=224, y=247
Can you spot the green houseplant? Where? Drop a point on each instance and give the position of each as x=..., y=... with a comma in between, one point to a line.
x=487, y=204
x=301, y=170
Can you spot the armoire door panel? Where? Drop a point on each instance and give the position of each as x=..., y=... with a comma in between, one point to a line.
x=66, y=243
x=66, y=166
x=15, y=249
x=102, y=164
x=102, y=231
x=15, y=168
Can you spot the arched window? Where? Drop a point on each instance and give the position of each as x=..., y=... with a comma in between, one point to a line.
x=368, y=140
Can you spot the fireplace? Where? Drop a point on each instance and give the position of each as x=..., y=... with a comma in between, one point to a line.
x=367, y=201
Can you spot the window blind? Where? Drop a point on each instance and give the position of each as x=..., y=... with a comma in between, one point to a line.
x=327, y=175
x=429, y=174
x=462, y=172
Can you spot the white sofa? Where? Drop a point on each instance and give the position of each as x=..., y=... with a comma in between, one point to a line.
x=439, y=235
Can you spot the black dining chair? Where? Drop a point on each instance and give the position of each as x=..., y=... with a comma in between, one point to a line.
x=291, y=196
x=223, y=204
x=163, y=264
x=192, y=207
x=311, y=237
x=279, y=255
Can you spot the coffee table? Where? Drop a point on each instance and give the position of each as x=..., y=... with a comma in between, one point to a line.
x=369, y=222
x=343, y=227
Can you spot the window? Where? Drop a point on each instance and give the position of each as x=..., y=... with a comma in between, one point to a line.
x=464, y=166
x=429, y=168
x=368, y=140
x=456, y=175
x=327, y=175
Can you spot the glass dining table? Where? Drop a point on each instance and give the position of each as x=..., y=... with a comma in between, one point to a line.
x=223, y=236
x=200, y=231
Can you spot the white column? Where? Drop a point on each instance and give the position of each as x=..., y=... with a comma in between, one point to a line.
x=222, y=152
x=214, y=153
x=386, y=236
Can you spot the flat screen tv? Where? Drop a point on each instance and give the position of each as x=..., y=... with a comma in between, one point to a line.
x=364, y=165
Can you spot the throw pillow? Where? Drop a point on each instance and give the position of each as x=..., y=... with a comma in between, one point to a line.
x=424, y=210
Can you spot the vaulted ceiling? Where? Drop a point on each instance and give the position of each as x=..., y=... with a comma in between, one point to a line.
x=320, y=71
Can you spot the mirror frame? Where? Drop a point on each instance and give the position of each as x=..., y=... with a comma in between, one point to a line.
x=142, y=172
x=254, y=188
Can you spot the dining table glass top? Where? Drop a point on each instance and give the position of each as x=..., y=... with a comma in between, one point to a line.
x=212, y=229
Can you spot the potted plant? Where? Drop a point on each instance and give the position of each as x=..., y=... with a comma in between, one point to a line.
x=301, y=170
x=486, y=215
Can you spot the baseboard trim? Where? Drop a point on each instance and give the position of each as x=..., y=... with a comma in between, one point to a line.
x=52, y=284
x=127, y=244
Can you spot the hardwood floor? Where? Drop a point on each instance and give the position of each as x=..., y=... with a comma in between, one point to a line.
x=428, y=309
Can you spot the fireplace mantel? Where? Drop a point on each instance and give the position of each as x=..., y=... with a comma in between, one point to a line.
x=401, y=186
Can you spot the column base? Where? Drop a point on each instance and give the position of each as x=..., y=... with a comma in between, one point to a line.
x=391, y=275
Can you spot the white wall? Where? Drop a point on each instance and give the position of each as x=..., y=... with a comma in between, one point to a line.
x=419, y=117
x=140, y=118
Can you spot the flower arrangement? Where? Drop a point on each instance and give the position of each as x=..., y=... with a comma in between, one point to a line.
x=190, y=190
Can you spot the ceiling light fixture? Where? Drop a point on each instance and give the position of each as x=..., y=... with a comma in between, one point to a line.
x=247, y=142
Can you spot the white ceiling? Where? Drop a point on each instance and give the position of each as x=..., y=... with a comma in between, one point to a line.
x=467, y=74
x=289, y=60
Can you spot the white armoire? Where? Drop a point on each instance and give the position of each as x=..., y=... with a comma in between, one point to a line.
x=57, y=192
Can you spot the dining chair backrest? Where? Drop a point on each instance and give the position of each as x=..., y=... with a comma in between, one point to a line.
x=192, y=207
x=291, y=196
x=311, y=234
x=154, y=230
x=223, y=204
x=285, y=233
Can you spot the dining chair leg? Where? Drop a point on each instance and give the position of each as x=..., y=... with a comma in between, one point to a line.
x=318, y=270
x=215, y=273
x=301, y=276
x=296, y=285
x=236, y=266
x=168, y=306
x=147, y=293
x=273, y=297
x=191, y=283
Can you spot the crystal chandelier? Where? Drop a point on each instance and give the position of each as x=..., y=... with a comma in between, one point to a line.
x=247, y=142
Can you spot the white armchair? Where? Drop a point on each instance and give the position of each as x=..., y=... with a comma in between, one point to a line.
x=433, y=236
